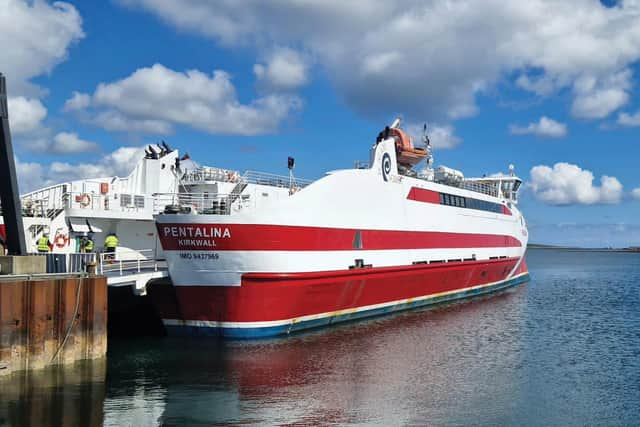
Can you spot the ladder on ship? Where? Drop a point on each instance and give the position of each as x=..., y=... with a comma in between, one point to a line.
x=237, y=190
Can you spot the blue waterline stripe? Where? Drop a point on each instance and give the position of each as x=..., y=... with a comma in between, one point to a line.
x=271, y=331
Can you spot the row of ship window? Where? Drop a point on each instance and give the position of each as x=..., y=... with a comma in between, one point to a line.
x=469, y=203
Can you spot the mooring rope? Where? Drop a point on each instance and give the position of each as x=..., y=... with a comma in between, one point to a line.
x=73, y=321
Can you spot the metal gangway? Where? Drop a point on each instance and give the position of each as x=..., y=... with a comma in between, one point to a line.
x=125, y=267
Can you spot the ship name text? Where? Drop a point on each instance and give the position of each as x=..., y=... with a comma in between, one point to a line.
x=199, y=231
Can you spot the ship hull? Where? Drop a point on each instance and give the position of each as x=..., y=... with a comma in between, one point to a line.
x=353, y=244
x=273, y=304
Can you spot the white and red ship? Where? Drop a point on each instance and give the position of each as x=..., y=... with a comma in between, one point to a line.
x=270, y=259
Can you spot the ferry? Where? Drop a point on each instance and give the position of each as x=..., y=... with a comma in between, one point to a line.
x=98, y=206
x=382, y=237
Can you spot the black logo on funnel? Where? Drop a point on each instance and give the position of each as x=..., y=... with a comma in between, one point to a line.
x=386, y=166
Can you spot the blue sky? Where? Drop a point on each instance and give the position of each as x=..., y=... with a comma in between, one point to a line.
x=548, y=86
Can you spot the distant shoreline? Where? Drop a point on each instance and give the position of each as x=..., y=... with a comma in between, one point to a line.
x=579, y=249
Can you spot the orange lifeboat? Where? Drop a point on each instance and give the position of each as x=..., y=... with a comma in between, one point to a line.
x=406, y=153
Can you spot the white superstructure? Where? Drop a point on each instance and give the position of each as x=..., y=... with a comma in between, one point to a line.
x=121, y=205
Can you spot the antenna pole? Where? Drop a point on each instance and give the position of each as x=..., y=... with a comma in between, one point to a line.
x=9, y=195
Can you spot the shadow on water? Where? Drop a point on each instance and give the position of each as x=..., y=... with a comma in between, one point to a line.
x=69, y=396
x=561, y=350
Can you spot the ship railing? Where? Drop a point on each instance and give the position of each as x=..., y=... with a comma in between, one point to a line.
x=201, y=203
x=113, y=202
x=44, y=203
x=249, y=177
x=210, y=174
x=127, y=261
x=273, y=180
x=74, y=262
x=481, y=187
x=123, y=261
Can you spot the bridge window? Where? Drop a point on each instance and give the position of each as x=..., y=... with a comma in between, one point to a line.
x=138, y=201
x=125, y=200
x=469, y=203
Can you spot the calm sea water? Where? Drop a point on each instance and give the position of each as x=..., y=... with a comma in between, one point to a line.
x=562, y=350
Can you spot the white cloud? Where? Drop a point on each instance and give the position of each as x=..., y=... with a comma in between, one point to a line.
x=157, y=98
x=440, y=136
x=597, y=98
x=429, y=60
x=566, y=184
x=443, y=136
x=120, y=162
x=69, y=143
x=79, y=101
x=545, y=127
x=30, y=175
x=635, y=193
x=25, y=115
x=116, y=121
x=631, y=120
x=35, y=36
x=285, y=69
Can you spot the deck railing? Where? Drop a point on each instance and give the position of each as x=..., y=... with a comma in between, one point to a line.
x=273, y=180
x=127, y=261
x=204, y=174
x=481, y=187
x=201, y=203
x=249, y=177
x=123, y=261
x=74, y=262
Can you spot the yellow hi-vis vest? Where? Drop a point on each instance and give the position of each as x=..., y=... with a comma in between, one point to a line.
x=88, y=246
x=111, y=242
x=43, y=244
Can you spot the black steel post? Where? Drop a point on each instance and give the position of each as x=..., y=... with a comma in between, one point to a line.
x=9, y=196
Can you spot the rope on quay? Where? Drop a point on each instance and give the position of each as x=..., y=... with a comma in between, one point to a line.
x=73, y=321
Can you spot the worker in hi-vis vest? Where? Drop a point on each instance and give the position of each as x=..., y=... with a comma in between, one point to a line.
x=44, y=245
x=110, y=245
x=86, y=243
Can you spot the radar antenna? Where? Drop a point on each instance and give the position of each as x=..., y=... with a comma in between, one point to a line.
x=293, y=187
x=425, y=137
x=428, y=172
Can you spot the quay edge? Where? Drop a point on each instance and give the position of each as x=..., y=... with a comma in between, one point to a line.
x=51, y=319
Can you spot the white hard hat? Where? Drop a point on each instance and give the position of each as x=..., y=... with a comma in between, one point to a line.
x=45, y=234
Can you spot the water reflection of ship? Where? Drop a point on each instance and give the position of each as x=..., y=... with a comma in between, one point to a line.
x=372, y=372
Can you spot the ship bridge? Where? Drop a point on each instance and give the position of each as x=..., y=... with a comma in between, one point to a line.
x=502, y=186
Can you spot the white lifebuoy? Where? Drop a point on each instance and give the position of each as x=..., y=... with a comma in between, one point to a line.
x=85, y=200
x=61, y=240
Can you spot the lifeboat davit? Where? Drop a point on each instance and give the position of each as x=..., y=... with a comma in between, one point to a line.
x=406, y=153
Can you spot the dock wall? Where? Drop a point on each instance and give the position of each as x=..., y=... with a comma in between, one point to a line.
x=51, y=320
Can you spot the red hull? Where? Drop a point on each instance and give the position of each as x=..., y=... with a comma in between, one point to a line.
x=265, y=297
